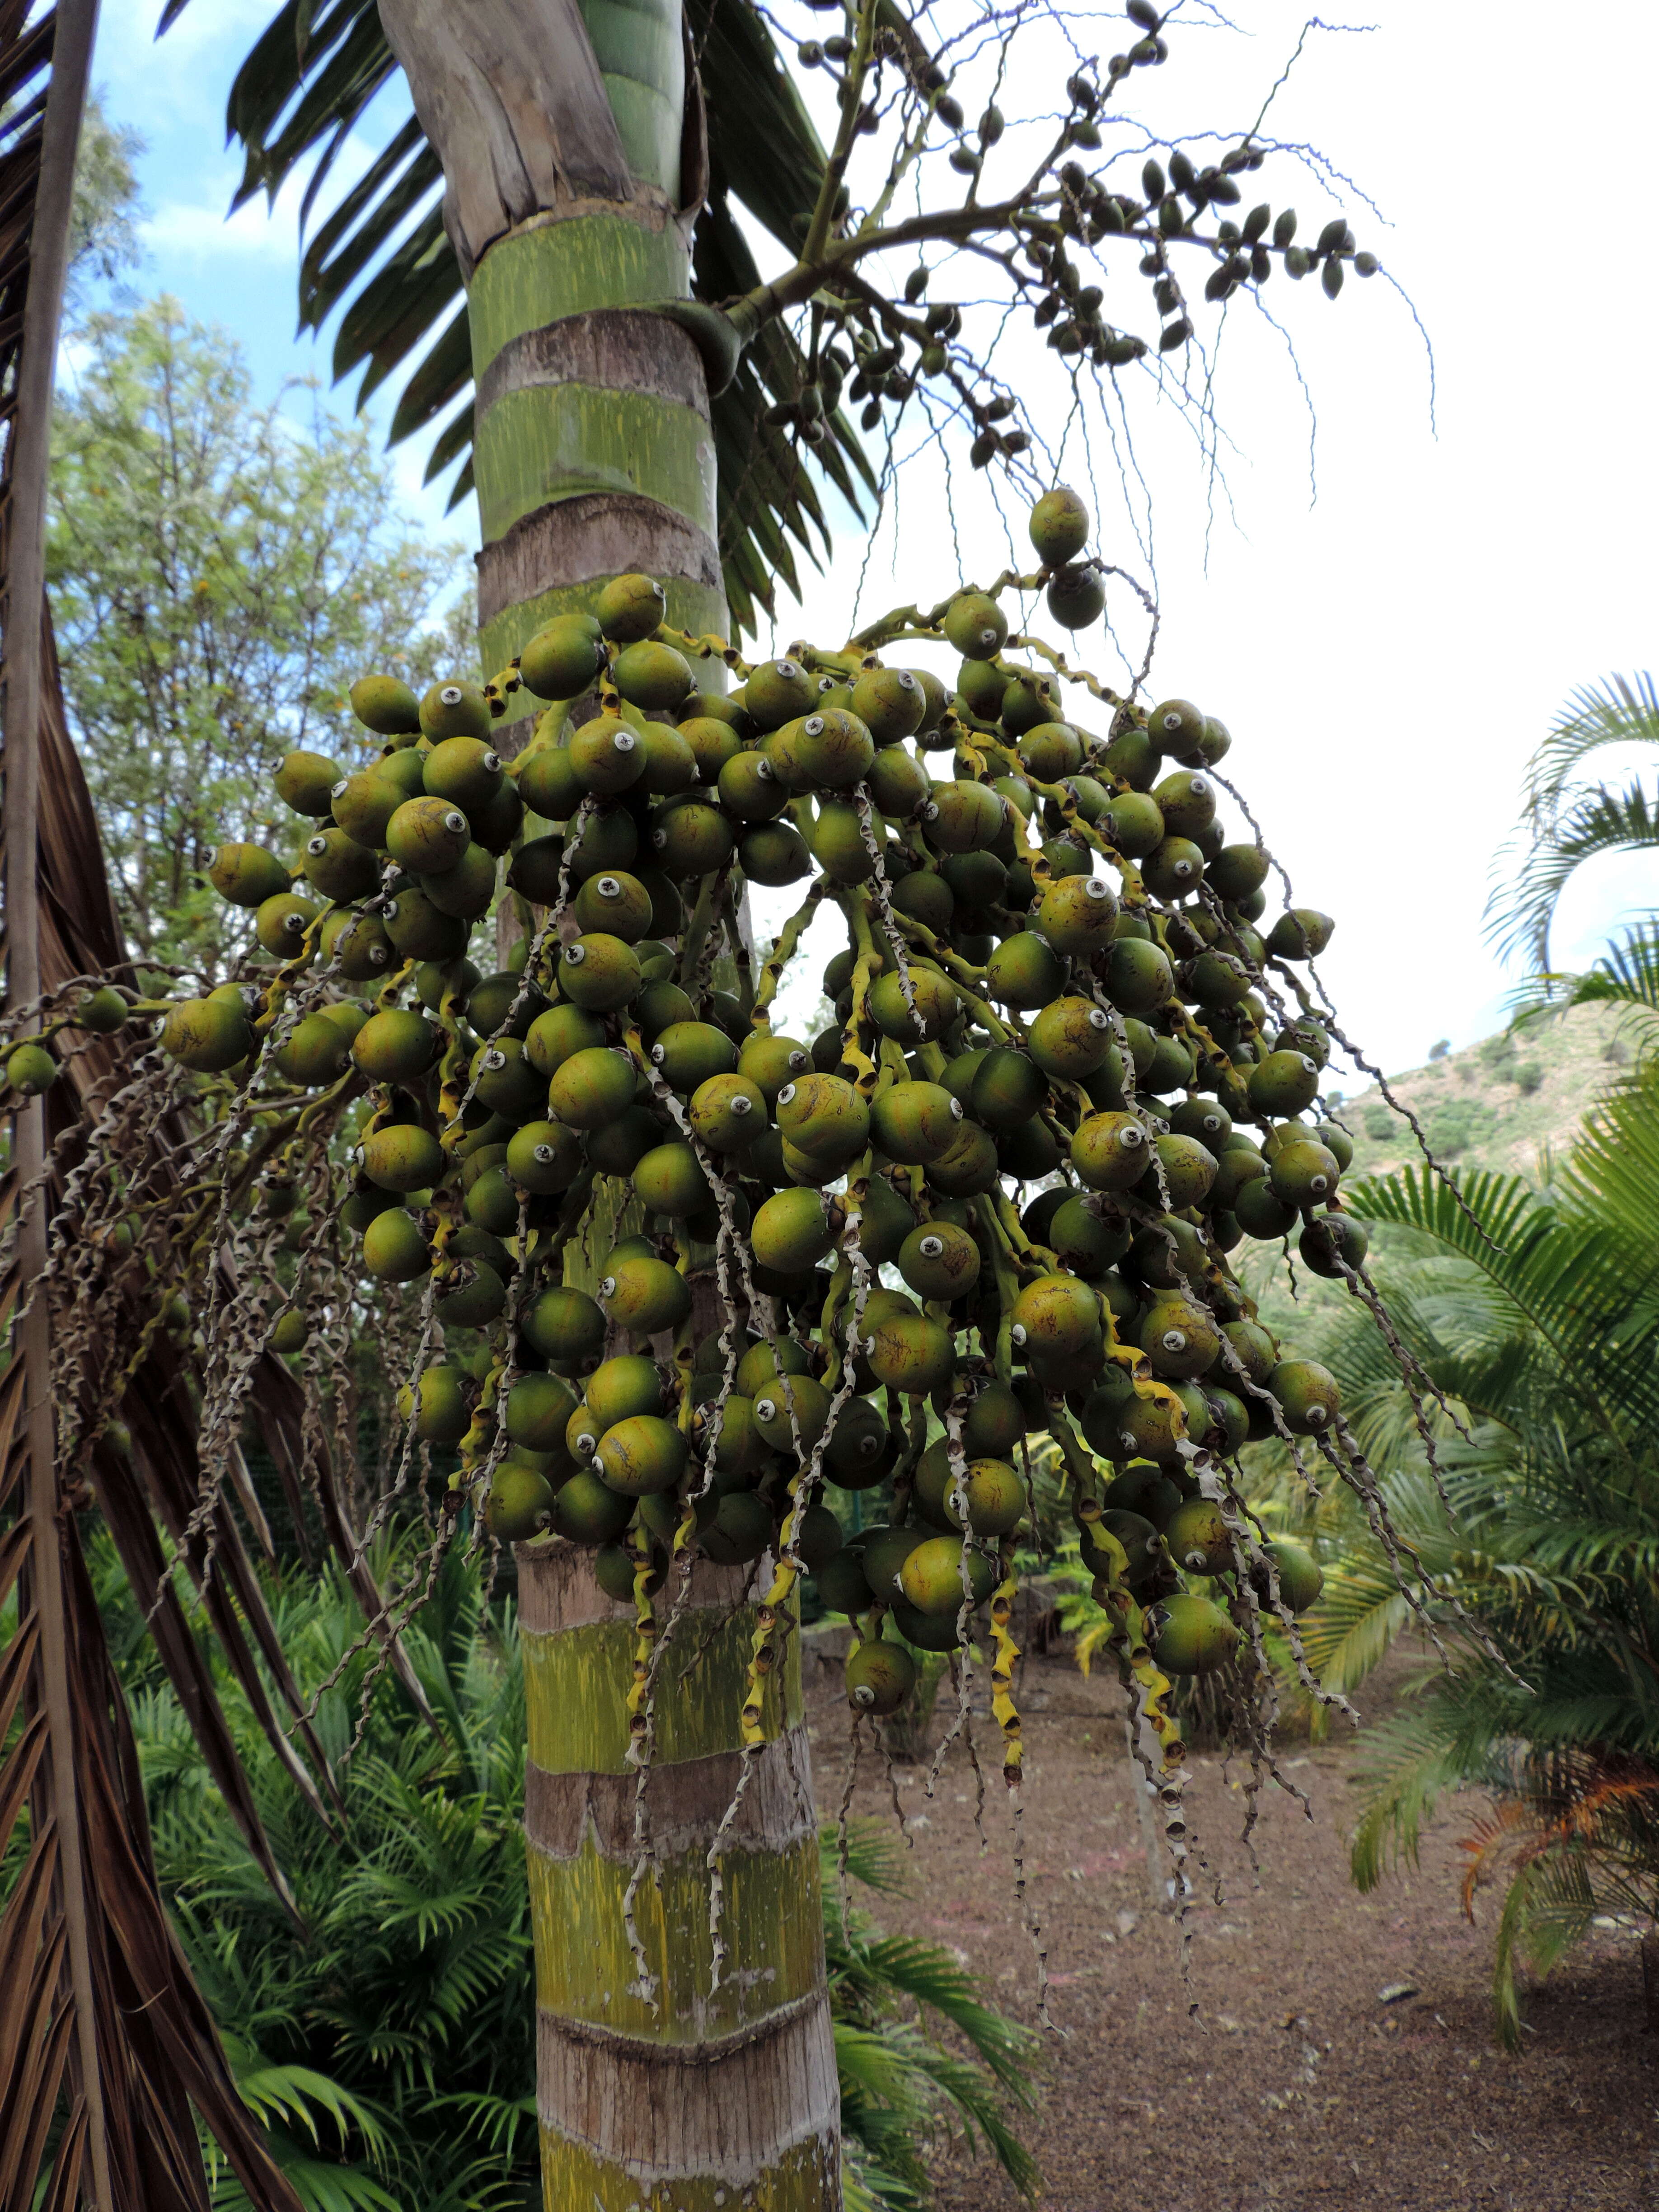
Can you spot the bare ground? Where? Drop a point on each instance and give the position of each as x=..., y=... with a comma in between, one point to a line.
x=1299, y=2085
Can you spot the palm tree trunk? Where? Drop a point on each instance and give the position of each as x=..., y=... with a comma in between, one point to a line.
x=571, y=141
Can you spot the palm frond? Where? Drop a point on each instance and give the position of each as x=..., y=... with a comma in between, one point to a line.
x=1599, y=822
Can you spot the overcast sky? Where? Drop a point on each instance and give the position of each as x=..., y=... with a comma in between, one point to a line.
x=1387, y=654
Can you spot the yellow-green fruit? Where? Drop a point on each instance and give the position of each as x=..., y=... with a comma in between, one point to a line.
x=1139, y=977
x=592, y=1089
x=506, y=1082
x=365, y=803
x=1188, y=1170
x=1058, y=526
x=1237, y=871
x=282, y=922
x=671, y=765
x=395, y=1249
x=644, y=1296
x=763, y=1363
x=1196, y=1534
x=562, y=1031
x=934, y=998
x=712, y=744
x=787, y=1395
x=587, y=1511
x=652, y=676
x=468, y=889
x=465, y=771
x=454, y=709
x=563, y=659
x=427, y=836
x=916, y=1123
x=1180, y=1338
x=246, y=875
x=1300, y=1580
x=1303, y=1173
x=772, y=1062
x=103, y=1011
x=316, y=1051
x=740, y=1530
x=338, y=867
x=1077, y=915
x=933, y=1579
x=386, y=705
x=402, y=1156
x=1187, y=801
x=547, y=782
x=790, y=1231
x=975, y=626
x=839, y=842
x=359, y=943
x=564, y=1325
x=599, y=972
x=1174, y=870
x=641, y=1457
x=1110, y=1151
x=290, y=1333
x=880, y=1676
x=30, y=1068
x=1051, y=751
x=607, y=755
x=689, y=837
x=395, y=1046
x=537, y=1411
x=1284, y=1083
x=939, y=1260
x=669, y=1180
x=911, y=1353
x=543, y=1157
x=776, y=692
x=617, y=903
x=1056, y=1316
x=898, y=784
x=305, y=781
x=445, y=1415
x=471, y=1294
x=1006, y=1090
x=521, y=1502
x=748, y=789
x=687, y=1053
x=962, y=817
x=1308, y=1396
x=1190, y=1635
x=1070, y=1037
x=993, y=1492
x=738, y=1446
x=207, y=1035
x=823, y=1117
x=833, y=748
x=1176, y=726
x=492, y=1201
x=630, y=607
x=621, y=1388
x=727, y=1112
x=890, y=702
x=969, y=1168
x=1025, y=971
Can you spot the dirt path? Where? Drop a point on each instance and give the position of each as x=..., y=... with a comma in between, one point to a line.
x=1299, y=2086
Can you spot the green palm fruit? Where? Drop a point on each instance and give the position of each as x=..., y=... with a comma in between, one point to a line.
x=454, y=709
x=726, y=1112
x=1190, y=1635
x=962, y=816
x=861, y=1451
x=281, y=923
x=521, y=1503
x=543, y=1157
x=885, y=1550
x=1050, y=751
x=763, y=1363
x=618, y=1147
x=562, y=1031
x=1077, y=913
x=1139, y=978
x=467, y=889
x=1070, y=1038
x=1260, y=1212
x=883, y=1222
x=1083, y=1240
x=1076, y=598
x=607, y=756
x=932, y=1577
x=537, y=1411
x=427, y=836
x=102, y=1011
x=291, y=1334
x=591, y=1088
x=880, y=1676
x=1307, y=1036
x=1174, y=871
x=981, y=685
x=499, y=820
x=935, y=998
x=246, y=875
x=386, y=705
x=1303, y=1173
x=1134, y=824
x=599, y=972
x=833, y=748
x=505, y=1081
x=670, y=766
x=30, y=1068
x=914, y=1123
x=1238, y=1163
x=975, y=626
x=1025, y=971
x=1300, y=1580
x=817, y=1541
x=823, y=1117
x=1161, y=1255
x=1058, y=526
x=690, y=837
x=465, y=771
x=1301, y=934
x=613, y=1571
x=644, y=1295
x=395, y=1249
x=837, y=842
x=774, y=854
x=443, y=1414
x=492, y=1201
x=564, y=1325
x=315, y=1053
x=788, y=1404
x=891, y=702
x=1216, y=981
x=338, y=867
x=772, y=1062
x=1207, y=1122
x=1284, y=1083
x=1253, y=1347
x=739, y=1532
x=1180, y=1338
x=1171, y=1066
x=587, y=1511
x=1196, y=1533
x=1236, y=871
x=546, y=780
x=652, y=676
x=471, y=1294
x=713, y=743
x=505, y=1002
x=641, y=1455
x=1028, y=700
x=1134, y=756
x=563, y=657
x=1007, y=1089
x=1066, y=856
x=910, y=1353
x=689, y=1053
x=976, y=879
x=994, y=1494
x=1309, y=1398
x=660, y=1004
x=305, y=781
x=395, y=1046
x=994, y=1422
x=630, y=607
x=207, y=1035
x=1332, y=1244
x=790, y=1231
x=402, y=1156
x=623, y=1388
x=1138, y=1538
x=1177, y=727
x=362, y=1205
x=969, y=1168
x=1056, y=1316
x=617, y=903
x=939, y=1260
x=1110, y=1151
x=365, y=803
x=776, y=692
x=748, y=789
x=739, y=1447
x=668, y=1180
x=1187, y=1170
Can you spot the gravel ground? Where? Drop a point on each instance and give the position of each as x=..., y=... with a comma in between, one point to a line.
x=1298, y=2085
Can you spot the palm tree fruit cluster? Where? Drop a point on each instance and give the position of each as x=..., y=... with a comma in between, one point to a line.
x=689, y=1285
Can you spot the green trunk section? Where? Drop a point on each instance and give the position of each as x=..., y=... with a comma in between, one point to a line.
x=548, y=271
x=558, y=440
x=640, y=50
x=575, y=2180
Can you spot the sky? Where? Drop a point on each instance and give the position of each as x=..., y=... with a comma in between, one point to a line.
x=1387, y=653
